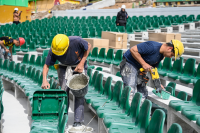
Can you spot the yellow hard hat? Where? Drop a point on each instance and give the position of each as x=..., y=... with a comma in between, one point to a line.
x=178, y=48
x=60, y=44
x=50, y=11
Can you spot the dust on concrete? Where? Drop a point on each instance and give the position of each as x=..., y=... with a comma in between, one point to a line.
x=78, y=82
x=86, y=130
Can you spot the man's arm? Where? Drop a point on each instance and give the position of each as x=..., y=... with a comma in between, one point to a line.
x=45, y=84
x=10, y=48
x=136, y=55
x=2, y=44
x=79, y=68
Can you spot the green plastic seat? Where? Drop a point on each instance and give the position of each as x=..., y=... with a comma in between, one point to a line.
x=99, y=68
x=32, y=47
x=92, y=83
x=182, y=95
x=104, y=95
x=137, y=124
x=32, y=60
x=167, y=65
x=188, y=71
x=189, y=19
x=177, y=69
x=175, y=128
x=130, y=118
x=129, y=30
x=102, y=55
x=109, y=57
x=118, y=74
x=197, y=18
x=121, y=29
x=179, y=21
x=45, y=53
x=97, y=91
x=118, y=57
x=179, y=105
x=114, y=98
x=170, y=90
x=122, y=109
x=42, y=43
x=94, y=54
x=197, y=75
x=24, y=48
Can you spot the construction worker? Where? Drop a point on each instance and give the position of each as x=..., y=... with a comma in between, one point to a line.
x=72, y=53
x=16, y=16
x=122, y=17
x=146, y=55
x=8, y=41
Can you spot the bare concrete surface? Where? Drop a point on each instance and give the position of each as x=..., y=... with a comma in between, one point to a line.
x=15, y=117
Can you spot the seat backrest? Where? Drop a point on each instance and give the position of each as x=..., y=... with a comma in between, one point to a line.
x=89, y=73
x=25, y=58
x=17, y=68
x=175, y=128
x=11, y=66
x=178, y=65
x=117, y=92
x=110, y=54
x=196, y=93
x=98, y=86
x=63, y=124
x=32, y=60
x=156, y=124
x=99, y=68
x=102, y=53
x=28, y=74
x=171, y=90
x=142, y=119
x=1, y=63
x=198, y=71
x=118, y=55
x=172, y=84
x=38, y=61
x=95, y=52
x=37, y=76
x=189, y=68
x=182, y=95
x=135, y=106
x=94, y=77
x=167, y=64
x=107, y=88
x=23, y=70
x=124, y=101
x=118, y=74
x=61, y=114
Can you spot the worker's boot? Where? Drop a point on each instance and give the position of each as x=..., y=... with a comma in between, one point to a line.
x=77, y=124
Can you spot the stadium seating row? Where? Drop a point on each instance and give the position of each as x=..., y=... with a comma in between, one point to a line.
x=29, y=79
x=187, y=74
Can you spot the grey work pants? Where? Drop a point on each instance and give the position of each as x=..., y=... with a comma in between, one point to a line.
x=79, y=101
x=129, y=76
x=3, y=53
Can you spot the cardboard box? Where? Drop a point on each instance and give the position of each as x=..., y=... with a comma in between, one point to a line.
x=164, y=37
x=96, y=42
x=135, y=42
x=116, y=40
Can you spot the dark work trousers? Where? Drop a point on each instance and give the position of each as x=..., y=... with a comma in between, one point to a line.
x=79, y=101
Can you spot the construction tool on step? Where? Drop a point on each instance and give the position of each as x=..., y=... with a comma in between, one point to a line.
x=159, y=91
x=142, y=77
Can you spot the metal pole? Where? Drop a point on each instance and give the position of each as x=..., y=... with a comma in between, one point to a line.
x=35, y=7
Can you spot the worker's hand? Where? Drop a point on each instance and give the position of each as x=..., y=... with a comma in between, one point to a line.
x=7, y=50
x=45, y=85
x=117, y=23
x=79, y=68
x=162, y=86
x=147, y=67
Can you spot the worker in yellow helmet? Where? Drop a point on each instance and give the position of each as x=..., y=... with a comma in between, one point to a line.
x=146, y=55
x=72, y=53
